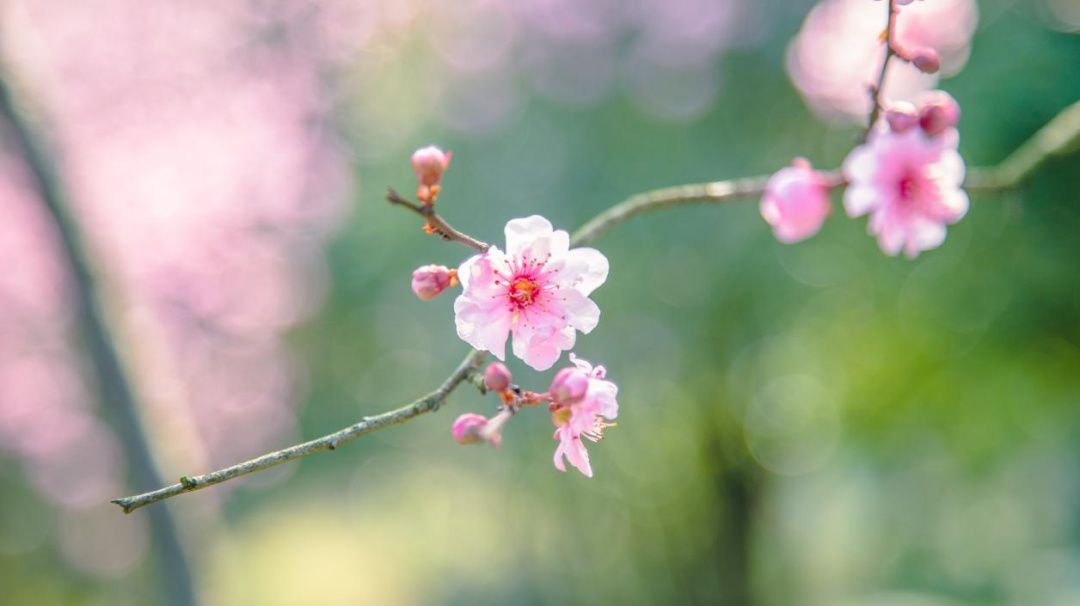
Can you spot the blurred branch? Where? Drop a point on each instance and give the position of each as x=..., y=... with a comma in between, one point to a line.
x=668, y=197
x=116, y=392
x=434, y=223
x=429, y=403
x=1060, y=137
x=890, y=51
x=1056, y=138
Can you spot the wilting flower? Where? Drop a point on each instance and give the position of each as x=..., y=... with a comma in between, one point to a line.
x=587, y=417
x=909, y=183
x=538, y=290
x=796, y=202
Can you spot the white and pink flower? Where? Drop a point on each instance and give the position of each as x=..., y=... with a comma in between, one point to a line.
x=909, y=183
x=538, y=291
x=796, y=202
x=584, y=417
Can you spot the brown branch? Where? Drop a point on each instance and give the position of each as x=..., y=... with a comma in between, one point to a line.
x=434, y=223
x=1057, y=138
x=890, y=52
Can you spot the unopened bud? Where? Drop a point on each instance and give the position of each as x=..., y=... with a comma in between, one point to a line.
x=430, y=280
x=926, y=59
x=468, y=427
x=497, y=376
x=569, y=386
x=429, y=163
x=901, y=116
x=938, y=112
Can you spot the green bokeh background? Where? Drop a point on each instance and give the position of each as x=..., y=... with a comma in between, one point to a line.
x=807, y=424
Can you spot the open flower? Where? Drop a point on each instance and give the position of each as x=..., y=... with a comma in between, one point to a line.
x=538, y=290
x=796, y=202
x=586, y=417
x=909, y=184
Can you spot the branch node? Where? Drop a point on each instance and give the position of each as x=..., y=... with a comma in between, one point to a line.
x=188, y=482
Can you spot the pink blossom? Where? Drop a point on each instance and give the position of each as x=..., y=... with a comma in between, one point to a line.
x=429, y=281
x=796, y=202
x=587, y=418
x=538, y=290
x=838, y=52
x=909, y=184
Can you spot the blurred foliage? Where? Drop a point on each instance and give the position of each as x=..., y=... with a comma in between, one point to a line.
x=811, y=424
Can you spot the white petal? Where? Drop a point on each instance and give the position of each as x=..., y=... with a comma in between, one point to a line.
x=860, y=199
x=861, y=165
x=583, y=269
x=580, y=311
x=520, y=233
x=485, y=327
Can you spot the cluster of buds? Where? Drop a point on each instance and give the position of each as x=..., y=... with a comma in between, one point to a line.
x=936, y=113
x=582, y=404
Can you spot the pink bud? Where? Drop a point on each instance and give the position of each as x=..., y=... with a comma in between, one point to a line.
x=497, y=376
x=901, y=116
x=467, y=428
x=938, y=112
x=926, y=59
x=429, y=163
x=430, y=280
x=569, y=386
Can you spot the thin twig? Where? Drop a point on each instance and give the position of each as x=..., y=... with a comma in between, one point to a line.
x=429, y=403
x=434, y=222
x=890, y=52
x=1057, y=138
x=115, y=390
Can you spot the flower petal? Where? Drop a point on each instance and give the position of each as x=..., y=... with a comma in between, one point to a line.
x=521, y=233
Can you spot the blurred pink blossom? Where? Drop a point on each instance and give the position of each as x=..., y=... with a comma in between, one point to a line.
x=796, y=202
x=194, y=141
x=538, y=290
x=838, y=51
x=909, y=184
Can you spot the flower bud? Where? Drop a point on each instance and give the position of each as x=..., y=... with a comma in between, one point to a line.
x=497, y=376
x=430, y=280
x=429, y=163
x=467, y=428
x=901, y=116
x=569, y=386
x=938, y=112
x=926, y=59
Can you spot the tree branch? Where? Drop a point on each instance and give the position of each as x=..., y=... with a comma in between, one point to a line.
x=1057, y=138
x=434, y=223
x=115, y=390
x=429, y=403
x=890, y=52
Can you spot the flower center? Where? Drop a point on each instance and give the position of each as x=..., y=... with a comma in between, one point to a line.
x=523, y=291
